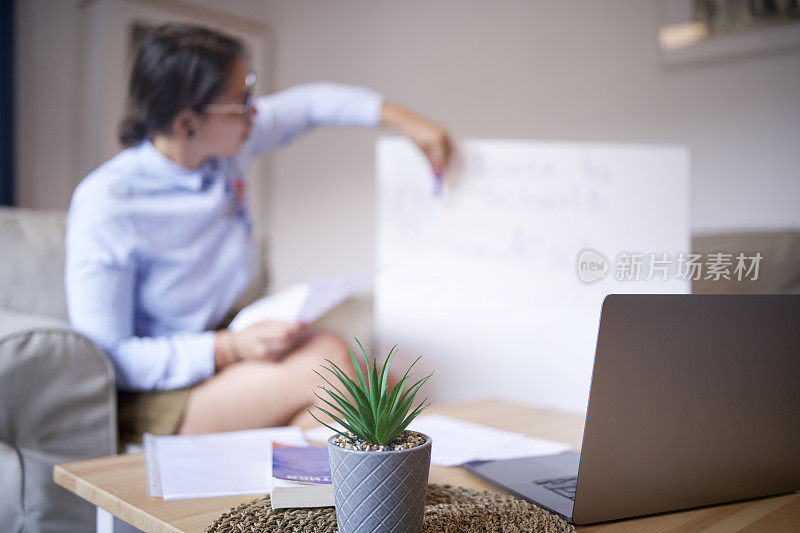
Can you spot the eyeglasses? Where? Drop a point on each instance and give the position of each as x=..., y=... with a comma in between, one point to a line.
x=243, y=109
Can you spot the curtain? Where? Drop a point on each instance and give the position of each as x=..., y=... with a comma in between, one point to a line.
x=6, y=102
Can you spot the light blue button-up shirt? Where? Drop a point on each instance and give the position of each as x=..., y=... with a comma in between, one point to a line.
x=158, y=253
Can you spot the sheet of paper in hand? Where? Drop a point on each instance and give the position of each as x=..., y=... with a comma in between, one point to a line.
x=304, y=302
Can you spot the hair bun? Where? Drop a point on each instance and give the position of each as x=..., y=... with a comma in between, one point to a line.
x=132, y=131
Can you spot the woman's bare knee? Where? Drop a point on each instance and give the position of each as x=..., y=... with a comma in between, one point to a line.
x=246, y=395
x=253, y=394
x=319, y=347
x=314, y=355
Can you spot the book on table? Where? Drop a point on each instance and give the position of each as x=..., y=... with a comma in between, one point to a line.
x=301, y=477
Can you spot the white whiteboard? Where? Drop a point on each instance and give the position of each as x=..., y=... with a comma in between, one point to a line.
x=481, y=280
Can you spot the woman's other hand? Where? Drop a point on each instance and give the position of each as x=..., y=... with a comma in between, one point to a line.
x=267, y=340
x=432, y=139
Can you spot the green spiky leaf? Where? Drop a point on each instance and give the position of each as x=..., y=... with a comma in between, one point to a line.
x=370, y=410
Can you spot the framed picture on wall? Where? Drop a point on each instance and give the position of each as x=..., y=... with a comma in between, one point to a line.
x=700, y=31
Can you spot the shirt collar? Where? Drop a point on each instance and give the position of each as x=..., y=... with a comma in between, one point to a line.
x=163, y=174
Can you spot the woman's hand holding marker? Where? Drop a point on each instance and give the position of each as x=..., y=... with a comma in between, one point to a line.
x=432, y=139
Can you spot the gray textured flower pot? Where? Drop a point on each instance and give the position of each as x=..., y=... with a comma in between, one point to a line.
x=380, y=491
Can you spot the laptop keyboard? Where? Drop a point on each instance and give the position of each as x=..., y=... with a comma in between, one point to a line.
x=564, y=486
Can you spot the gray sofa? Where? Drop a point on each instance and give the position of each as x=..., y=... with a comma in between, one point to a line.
x=57, y=394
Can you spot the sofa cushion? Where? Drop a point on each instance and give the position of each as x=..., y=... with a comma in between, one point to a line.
x=32, y=261
x=779, y=270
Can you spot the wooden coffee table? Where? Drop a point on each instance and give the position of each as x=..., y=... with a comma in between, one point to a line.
x=116, y=484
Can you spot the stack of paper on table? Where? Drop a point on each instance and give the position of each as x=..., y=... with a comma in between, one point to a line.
x=240, y=462
x=456, y=442
x=304, y=302
x=218, y=464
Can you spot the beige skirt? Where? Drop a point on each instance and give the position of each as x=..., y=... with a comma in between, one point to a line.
x=156, y=412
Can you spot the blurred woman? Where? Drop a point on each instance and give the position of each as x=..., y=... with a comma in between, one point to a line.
x=160, y=244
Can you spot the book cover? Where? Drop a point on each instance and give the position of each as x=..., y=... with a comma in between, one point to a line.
x=304, y=464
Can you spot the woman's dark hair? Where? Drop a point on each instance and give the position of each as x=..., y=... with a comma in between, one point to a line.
x=176, y=67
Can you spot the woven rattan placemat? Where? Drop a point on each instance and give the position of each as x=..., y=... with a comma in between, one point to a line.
x=448, y=509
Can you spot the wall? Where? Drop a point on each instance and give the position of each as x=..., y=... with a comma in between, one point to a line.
x=561, y=70
x=47, y=78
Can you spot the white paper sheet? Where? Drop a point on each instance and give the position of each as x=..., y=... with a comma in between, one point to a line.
x=456, y=442
x=218, y=464
x=304, y=302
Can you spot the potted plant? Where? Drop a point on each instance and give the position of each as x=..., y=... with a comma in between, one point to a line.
x=378, y=468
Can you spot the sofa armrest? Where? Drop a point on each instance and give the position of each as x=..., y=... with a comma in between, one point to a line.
x=57, y=404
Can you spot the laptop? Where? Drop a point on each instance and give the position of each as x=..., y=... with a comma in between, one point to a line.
x=695, y=400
